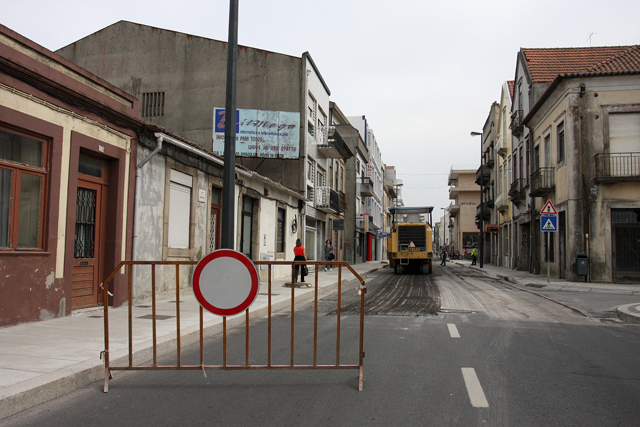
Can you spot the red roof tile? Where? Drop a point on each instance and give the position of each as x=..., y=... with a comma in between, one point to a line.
x=547, y=64
x=511, y=84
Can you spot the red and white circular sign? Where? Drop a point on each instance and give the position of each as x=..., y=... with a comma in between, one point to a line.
x=225, y=282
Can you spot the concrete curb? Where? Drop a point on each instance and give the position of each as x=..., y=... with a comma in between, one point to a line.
x=629, y=313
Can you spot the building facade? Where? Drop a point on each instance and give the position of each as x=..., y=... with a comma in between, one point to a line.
x=585, y=160
x=67, y=153
x=465, y=194
x=180, y=80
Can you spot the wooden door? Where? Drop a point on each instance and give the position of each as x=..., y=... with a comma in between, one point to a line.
x=88, y=244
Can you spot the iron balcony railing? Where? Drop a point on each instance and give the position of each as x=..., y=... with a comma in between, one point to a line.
x=327, y=199
x=483, y=174
x=485, y=210
x=366, y=186
x=516, y=191
x=331, y=144
x=516, y=122
x=612, y=167
x=542, y=182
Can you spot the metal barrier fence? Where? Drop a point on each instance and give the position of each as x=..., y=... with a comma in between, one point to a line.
x=225, y=366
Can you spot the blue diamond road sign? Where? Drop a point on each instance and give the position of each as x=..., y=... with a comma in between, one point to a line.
x=548, y=223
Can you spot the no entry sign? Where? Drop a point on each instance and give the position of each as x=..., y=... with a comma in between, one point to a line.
x=225, y=282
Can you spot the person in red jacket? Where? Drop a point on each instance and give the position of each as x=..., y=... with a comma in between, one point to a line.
x=300, y=255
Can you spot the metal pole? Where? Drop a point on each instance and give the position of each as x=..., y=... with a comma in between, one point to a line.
x=228, y=188
x=548, y=260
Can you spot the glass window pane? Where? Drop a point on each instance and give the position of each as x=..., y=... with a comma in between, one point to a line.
x=30, y=196
x=5, y=206
x=215, y=196
x=20, y=149
x=90, y=167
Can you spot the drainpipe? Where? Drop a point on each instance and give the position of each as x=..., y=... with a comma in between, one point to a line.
x=136, y=208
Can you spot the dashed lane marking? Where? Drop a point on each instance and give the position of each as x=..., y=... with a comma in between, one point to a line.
x=453, y=331
x=476, y=394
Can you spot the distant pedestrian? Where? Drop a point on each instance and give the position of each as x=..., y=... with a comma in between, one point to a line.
x=328, y=254
x=444, y=258
x=300, y=255
x=474, y=256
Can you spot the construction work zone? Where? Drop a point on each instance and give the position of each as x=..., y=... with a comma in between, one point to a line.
x=258, y=348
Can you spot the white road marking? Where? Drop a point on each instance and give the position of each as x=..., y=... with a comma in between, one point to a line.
x=476, y=395
x=453, y=331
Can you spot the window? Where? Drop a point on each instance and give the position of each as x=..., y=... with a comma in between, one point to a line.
x=309, y=171
x=309, y=193
x=547, y=150
x=247, y=226
x=280, y=230
x=320, y=181
x=153, y=104
x=560, y=134
x=22, y=196
x=179, y=209
x=332, y=181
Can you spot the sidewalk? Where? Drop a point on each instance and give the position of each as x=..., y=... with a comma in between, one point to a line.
x=629, y=313
x=40, y=361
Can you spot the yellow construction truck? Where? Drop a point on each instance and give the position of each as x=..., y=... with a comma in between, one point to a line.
x=410, y=245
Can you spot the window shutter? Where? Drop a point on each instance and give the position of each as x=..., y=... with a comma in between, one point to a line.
x=179, y=209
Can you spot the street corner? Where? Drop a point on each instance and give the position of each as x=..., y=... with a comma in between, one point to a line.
x=629, y=313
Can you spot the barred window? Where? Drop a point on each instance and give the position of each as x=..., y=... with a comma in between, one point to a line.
x=153, y=104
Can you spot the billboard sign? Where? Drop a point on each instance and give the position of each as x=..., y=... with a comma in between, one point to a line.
x=260, y=133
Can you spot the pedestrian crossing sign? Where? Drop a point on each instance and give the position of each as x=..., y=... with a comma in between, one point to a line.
x=548, y=223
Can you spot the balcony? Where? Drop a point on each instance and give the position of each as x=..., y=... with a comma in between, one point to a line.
x=489, y=161
x=454, y=191
x=327, y=200
x=366, y=186
x=542, y=182
x=516, y=123
x=490, y=201
x=502, y=146
x=483, y=175
x=502, y=204
x=516, y=191
x=617, y=167
x=331, y=144
x=453, y=210
x=486, y=212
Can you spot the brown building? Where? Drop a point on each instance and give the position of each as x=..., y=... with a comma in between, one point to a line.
x=67, y=144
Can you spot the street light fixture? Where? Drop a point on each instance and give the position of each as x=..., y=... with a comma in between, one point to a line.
x=481, y=245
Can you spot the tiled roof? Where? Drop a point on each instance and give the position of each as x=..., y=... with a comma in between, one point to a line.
x=547, y=64
x=511, y=84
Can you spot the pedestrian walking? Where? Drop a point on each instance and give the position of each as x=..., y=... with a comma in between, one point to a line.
x=328, y=254
x=444, y=258
x=474, y=256
x=300, y=255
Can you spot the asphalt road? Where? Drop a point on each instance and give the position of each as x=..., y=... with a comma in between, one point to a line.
x=450, y=349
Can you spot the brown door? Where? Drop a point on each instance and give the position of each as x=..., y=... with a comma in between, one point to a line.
x=214, y=221
x=88, y=244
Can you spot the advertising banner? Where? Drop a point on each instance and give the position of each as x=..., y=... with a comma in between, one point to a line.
x=259, y=133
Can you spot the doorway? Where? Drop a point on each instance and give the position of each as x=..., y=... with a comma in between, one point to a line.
x=88, y=248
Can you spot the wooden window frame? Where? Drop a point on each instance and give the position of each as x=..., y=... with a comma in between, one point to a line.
x=14, y=208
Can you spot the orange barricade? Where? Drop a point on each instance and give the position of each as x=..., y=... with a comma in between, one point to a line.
x=225, y=366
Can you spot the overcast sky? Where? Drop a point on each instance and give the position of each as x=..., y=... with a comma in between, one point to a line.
x=424, y=73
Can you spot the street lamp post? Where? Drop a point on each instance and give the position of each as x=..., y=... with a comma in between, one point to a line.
x=481, y=221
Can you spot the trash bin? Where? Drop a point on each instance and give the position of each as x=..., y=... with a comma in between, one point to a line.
x=582, y=264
